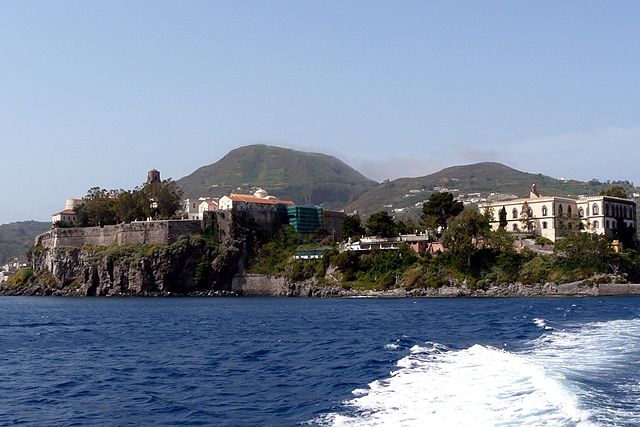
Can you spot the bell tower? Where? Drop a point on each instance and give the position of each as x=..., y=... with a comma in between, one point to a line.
x=153, y=176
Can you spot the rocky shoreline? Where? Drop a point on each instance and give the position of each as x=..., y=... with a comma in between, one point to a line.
x=262, y=285
x=251, y=284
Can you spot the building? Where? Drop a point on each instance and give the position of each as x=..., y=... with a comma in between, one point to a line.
x=153, y=176
x=191, y=208
x=555, y=217
x=244, y=201
x=418, y=243
x=70, y=214
x=207, y=205
x=305, y=219
x=333, y=223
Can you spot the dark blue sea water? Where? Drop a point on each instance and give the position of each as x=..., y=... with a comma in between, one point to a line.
x=280, y=362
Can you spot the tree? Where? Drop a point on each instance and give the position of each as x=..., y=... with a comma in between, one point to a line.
x=381, y=224
x=502, y=217
x=463, y=231
x=98, y=208
x=526, y=217
x=162, y=198
x=352, y=227
x=407, y=226
x=615, y=191
x=585, y=250
x=438, y=209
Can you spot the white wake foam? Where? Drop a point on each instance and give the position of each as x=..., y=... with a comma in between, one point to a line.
x=479, y=386
x=485, y=386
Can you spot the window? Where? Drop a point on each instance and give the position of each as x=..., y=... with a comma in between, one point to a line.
x=544, y=224
x=544, y=210
x=515, y=227
x=596, y=224
x=595, y=209
x=559, y=209
x=581, y=212
x=606, y=210
x=569, y=211
x=514, y=213
x=607, y=224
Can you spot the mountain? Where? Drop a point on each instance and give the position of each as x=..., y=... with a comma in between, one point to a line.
x=17, y=238
x=305, y=178
x=491, y=180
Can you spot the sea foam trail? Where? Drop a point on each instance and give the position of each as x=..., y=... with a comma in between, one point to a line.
x=550, y=382
x=478, y=386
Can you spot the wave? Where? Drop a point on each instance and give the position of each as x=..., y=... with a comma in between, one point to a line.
x=561, y=379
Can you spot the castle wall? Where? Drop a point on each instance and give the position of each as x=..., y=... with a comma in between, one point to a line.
x=150, y=232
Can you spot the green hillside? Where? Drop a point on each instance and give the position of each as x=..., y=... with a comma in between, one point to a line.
x=486, y=178
x=305, y=178
x=17, y=238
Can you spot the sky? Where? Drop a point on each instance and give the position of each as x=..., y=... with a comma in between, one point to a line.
x=97, y=93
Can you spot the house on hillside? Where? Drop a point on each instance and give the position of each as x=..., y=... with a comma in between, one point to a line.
x=554, y=217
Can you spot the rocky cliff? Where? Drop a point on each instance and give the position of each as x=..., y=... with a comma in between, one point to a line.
x=194, y=263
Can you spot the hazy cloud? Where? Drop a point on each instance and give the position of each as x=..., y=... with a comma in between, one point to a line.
x=392, y=167
x=467, y=153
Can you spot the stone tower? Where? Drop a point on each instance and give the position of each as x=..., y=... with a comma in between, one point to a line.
x=153, y=176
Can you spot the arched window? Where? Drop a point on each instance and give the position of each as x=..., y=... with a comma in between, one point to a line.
x=608, y=225
x=595, y=209
x=559, y=210
x=596, y=224
x=515, y=227
x=514, y=213
x=544, y=210
x=544, y=224
x=581, y=212
x=569, y=211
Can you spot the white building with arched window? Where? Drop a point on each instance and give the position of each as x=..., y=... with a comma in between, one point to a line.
x=554, y=217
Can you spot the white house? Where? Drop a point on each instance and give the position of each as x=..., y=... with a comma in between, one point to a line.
x=260, y=197
x=69, y=215
x=190, y=208
x=206, y=206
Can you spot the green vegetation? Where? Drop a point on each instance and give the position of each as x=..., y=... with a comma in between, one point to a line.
x=487, y=177
x=17, y=238
x=478, y=257
x=20, y=277
x=310, y=178
x=615, y=191
x=381, y=224
x=158, y=200
x=352, y=227
x=437, y=211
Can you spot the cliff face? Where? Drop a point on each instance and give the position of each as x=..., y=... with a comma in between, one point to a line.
x=185, y=267
x=188, y=262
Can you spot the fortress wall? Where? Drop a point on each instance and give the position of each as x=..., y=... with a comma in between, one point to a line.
x=150, y=232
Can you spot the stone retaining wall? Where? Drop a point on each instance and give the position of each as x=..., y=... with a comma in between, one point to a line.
x=148, y=232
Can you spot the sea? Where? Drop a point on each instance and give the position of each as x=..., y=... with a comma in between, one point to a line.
x=319, y=362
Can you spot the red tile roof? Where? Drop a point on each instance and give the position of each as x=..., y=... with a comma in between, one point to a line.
x=249, y=198
x=66, y=212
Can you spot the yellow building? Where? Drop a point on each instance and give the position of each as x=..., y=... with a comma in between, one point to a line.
x=555, y=217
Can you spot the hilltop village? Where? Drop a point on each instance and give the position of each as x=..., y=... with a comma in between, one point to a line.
x=150, y=241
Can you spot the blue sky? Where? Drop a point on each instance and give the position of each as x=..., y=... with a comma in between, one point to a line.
x=97, y=93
